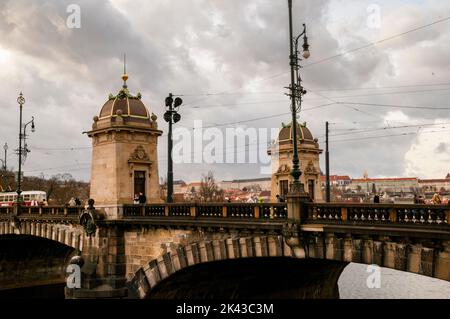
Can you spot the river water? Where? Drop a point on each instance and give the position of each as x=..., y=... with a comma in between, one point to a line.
x=394, y=284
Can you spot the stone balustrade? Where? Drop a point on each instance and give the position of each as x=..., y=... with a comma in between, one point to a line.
x=208, y=210
x=339, y=213
x=43, y=212
x=323, y=213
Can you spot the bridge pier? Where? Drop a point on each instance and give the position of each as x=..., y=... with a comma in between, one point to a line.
x=104, y=269
x=442, y=268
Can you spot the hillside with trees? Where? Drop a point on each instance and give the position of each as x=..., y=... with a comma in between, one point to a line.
x=60, y=188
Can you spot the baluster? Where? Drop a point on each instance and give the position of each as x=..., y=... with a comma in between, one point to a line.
x=431, y=216
x=422, y=219
x=438, y=218
x=363, y=217
x=406, y=219
x=414, y=212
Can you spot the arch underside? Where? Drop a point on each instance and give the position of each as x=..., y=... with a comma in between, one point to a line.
x=29, y=261
x=253, y=278
x=250, y=267
x=65, y=234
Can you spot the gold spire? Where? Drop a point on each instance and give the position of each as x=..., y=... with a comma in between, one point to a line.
x=124, y=75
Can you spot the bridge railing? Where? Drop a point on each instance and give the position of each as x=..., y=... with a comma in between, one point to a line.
x=43, y=210
x=419, y=214
x=208, y=210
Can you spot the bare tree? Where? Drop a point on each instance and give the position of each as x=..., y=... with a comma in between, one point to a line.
x=209, y=191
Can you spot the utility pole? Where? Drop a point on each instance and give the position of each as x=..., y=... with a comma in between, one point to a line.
x=327, y=166
x=5, y=147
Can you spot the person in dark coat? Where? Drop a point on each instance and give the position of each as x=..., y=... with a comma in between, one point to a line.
x=376, y=199
x=142, y=198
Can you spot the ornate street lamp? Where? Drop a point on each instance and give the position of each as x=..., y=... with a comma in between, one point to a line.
x=171, y=116
x=22, y=151
x=296, y=92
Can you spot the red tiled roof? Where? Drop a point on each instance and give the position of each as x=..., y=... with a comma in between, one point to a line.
x=434, y=180
x=384, y=179
x=336, y=177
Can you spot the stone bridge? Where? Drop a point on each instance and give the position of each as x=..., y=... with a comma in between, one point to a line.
x=218, y=250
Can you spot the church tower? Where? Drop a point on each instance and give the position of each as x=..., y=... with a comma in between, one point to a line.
x=124, y=151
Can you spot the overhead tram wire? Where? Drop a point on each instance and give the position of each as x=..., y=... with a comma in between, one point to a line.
x=396, y=106
x=390, y=135
x=267, y=117
x=251, y=144
x=332, y=89
x=371, y=137
x=356, y=131
x=376, y=42
x=383, y=87
x=343, y=53
x=334, y=102
x=383, y=93
x=327, y=58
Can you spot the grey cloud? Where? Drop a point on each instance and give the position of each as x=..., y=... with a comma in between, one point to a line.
x=442, y=148
x=66, y=75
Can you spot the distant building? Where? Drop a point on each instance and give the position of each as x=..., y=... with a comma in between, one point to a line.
x=178, y=186
x=336, y=180
x=435, y=185
x=263, y=183
x=390, y=185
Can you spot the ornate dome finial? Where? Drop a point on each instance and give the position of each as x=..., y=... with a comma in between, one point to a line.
x=124, y=75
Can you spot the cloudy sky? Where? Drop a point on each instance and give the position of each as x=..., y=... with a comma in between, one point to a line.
x=383, y=68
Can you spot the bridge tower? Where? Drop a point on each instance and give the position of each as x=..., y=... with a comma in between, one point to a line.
x=124, y=152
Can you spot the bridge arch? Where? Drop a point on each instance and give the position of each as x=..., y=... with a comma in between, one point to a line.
x=178, y=257
x=64, y=233
x=260, y=259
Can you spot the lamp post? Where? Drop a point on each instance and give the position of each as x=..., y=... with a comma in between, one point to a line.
x=22, y=151
x=296, y=92
x=4, y=167
x=171, y=116
x=5, y=148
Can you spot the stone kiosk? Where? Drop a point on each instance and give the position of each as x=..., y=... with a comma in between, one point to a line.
x=308, y=153
x=124, y=163
x=124, y=153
